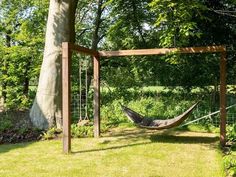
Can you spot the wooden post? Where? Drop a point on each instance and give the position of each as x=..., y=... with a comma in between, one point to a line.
x=223, y=99
x=66, y=63
x=96, y=99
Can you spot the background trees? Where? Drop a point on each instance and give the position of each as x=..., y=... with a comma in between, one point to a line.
x=22, y=25
x=110, y=25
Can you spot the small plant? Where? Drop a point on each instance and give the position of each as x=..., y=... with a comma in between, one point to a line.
x=51, y=133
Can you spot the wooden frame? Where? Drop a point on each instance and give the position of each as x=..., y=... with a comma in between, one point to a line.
x=163, y=51
x=66, y=97
x=67, y=48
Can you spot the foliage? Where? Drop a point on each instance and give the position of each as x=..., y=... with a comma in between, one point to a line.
x=175, y=21
x=19, y=135
x=230, y=158
x=230, y=164
x=157, y=103
x=131, y=20
x=85, y=131
x=22, y=42
x=92, y=20
x=169, y=23
x=15, y=127
x=5, y=124
x=111, y=114
x=231, y=132
x=122, y=25
x=81, y=131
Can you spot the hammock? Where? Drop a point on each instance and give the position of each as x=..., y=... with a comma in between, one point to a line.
x=156, y=124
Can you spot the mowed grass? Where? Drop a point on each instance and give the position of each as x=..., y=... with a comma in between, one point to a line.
x=126, y=152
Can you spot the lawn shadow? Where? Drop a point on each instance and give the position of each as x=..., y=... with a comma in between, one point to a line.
x=135, y=136
x=111, y=148
x=176, y=139
x=165, y=136
x=128, y=132
x=131, y=135
x=4, y=148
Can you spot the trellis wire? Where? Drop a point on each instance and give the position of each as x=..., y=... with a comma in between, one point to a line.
x=79, y=98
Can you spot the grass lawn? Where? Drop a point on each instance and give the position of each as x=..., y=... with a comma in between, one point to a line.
x=126, y=152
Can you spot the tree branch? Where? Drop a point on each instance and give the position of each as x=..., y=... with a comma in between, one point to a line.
x=83, y=31
x=224, y=12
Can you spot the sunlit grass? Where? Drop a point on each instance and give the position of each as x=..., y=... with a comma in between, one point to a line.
x=123, y=152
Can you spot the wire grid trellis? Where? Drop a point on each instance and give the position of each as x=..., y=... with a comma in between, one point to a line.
x=78, y=110
x=213, y=118
x=79, y=93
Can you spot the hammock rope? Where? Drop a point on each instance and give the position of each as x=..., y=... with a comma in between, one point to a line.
x=206, y=116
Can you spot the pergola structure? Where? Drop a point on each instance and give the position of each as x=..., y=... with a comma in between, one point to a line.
x=68, y=48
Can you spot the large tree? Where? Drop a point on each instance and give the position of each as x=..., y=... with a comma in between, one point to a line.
x=46, y=110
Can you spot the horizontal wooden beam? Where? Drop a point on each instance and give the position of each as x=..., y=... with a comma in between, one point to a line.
x=83, y=50
x=162, y=51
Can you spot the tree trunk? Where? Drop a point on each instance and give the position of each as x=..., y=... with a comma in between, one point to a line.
x=136, y=20
x=96, y=38
x=97, y=25
x=26, y=79
x=46, y=110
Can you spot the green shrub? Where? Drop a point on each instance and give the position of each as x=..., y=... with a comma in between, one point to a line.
x=86, y=130
x=5, y=124
x=111, y=114
x=231, y=132
x=81, y=131
x=23, y=130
